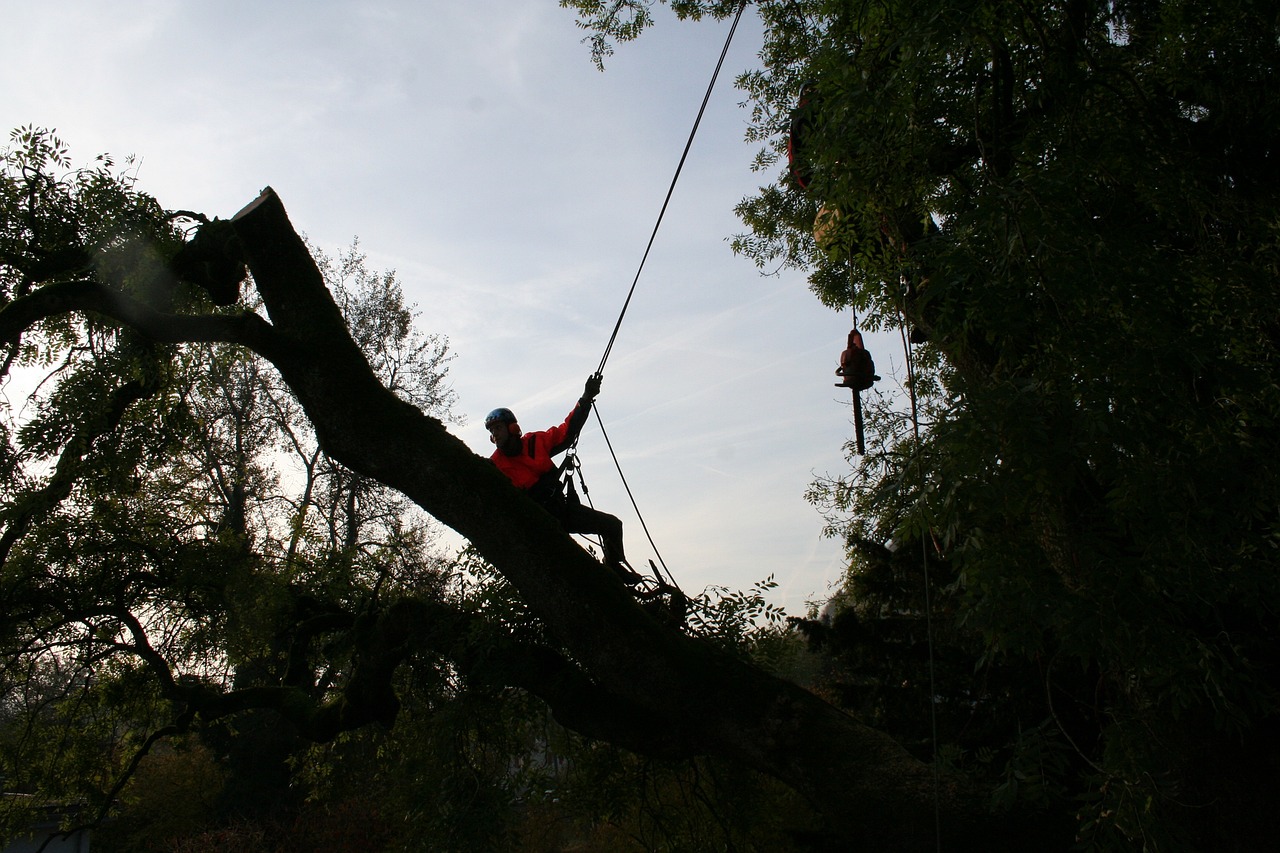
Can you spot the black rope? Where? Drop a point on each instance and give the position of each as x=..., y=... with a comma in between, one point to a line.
x=632, y=498
x=689, y=144
x=575, y=468
x=631, y=292
x=928, y=591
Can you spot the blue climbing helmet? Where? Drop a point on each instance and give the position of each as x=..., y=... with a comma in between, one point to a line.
x=499, y=416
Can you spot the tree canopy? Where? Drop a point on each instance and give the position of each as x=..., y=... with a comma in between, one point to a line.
x=1072, y=208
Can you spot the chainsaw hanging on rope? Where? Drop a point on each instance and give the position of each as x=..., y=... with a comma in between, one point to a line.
x=858, y=372
x=856, y=366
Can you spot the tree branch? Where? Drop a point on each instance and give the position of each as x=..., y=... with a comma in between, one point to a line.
x=247, y=328
x=25, y=509
x=702, y=700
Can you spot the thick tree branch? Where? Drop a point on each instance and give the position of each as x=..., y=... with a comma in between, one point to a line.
x=54, y=300
x=386, y=639
x=703, y=701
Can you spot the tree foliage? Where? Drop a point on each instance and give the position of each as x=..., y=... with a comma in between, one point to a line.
x=170, y=522
x=1073, y=205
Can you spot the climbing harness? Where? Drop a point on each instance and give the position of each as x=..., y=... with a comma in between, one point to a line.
x=559, y=481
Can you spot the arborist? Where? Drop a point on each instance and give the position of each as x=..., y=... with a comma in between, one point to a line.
x=527, y=460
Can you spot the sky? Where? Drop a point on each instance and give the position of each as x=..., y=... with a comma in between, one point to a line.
x=474, y=149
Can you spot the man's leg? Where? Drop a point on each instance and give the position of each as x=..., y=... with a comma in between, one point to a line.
x=584, y=519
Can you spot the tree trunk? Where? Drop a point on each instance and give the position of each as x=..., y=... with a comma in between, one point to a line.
x=703, y=701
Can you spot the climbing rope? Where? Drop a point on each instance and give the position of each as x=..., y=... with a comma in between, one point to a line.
x=928, y=590
x=632, y=498
x=636, y=280
x=671, y=189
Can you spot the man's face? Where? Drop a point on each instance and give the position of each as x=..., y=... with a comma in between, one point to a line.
x=505, y=436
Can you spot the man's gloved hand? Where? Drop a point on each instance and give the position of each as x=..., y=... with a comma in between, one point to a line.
x=592, y=389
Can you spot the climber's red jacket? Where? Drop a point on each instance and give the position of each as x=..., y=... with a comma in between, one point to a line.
x=534, y=461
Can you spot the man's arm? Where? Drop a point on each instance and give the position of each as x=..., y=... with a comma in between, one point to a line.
x=565, y=434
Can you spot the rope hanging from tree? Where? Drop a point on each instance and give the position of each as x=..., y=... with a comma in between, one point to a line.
x=928, y=587
x=857, y=371
x=671, y=189
x=859, y=374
